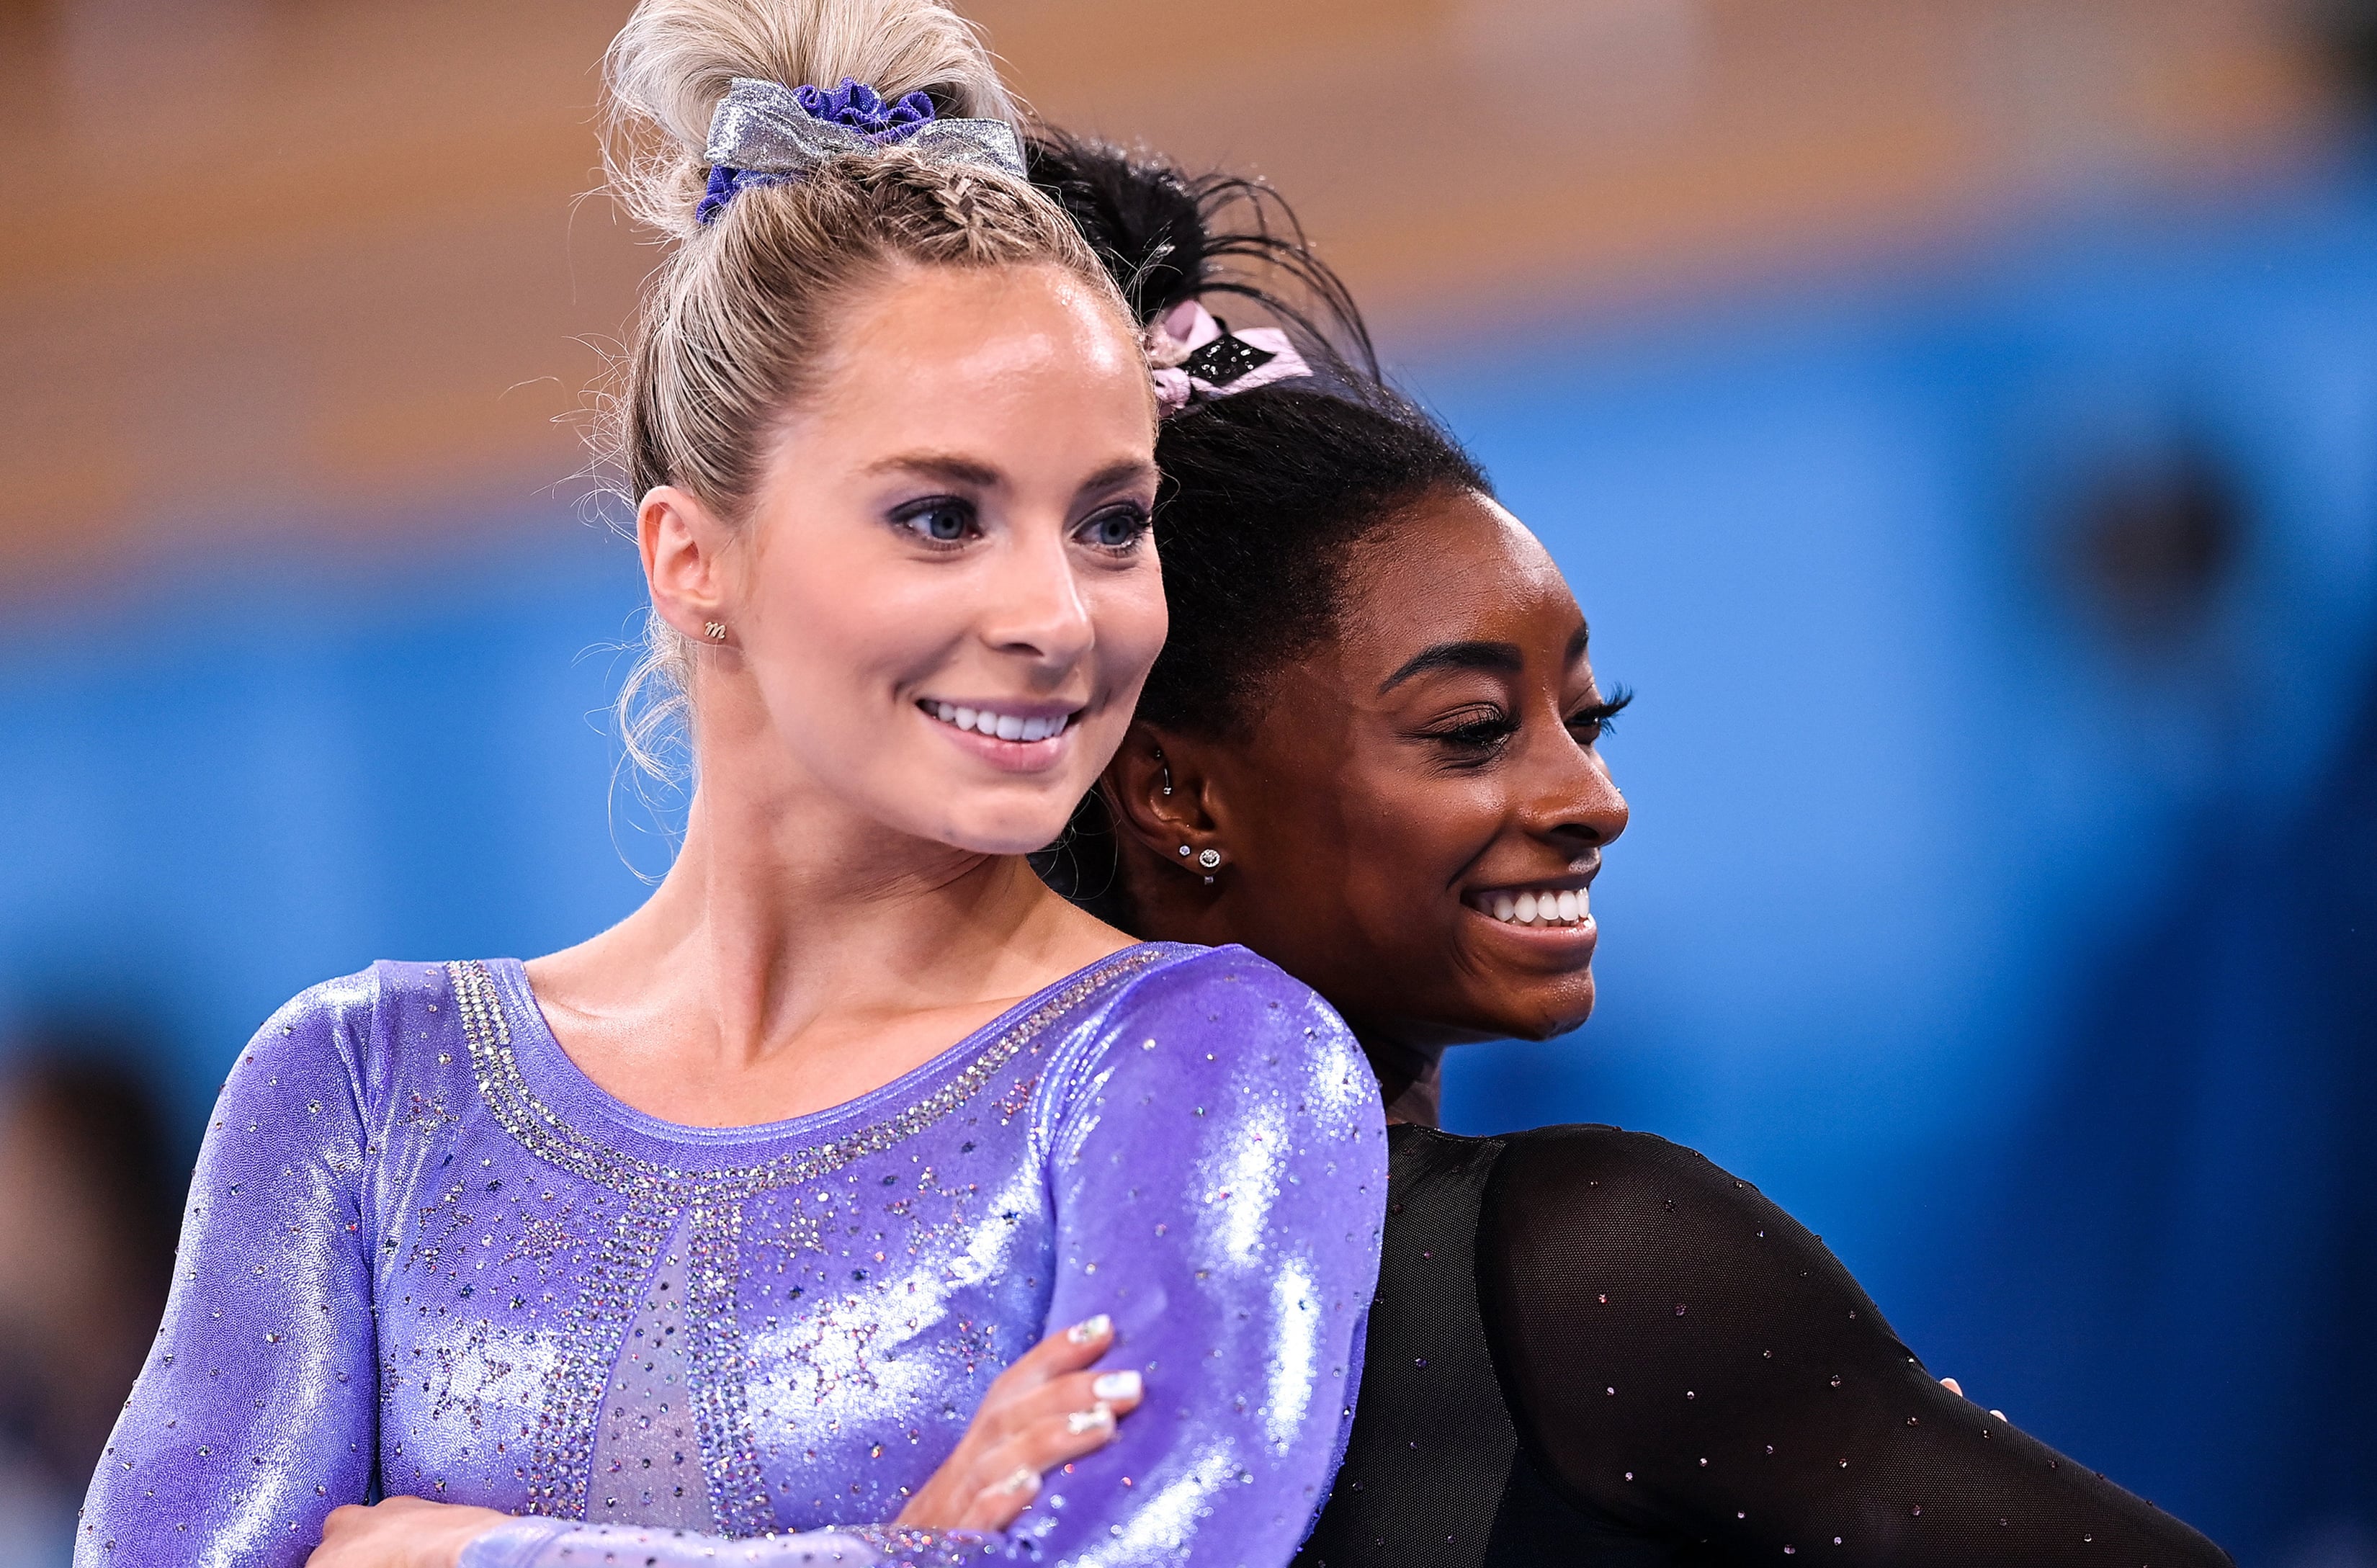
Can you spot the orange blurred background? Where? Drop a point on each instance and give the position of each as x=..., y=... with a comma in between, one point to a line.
x=270, y=262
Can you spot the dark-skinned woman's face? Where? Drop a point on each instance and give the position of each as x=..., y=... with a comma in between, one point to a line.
x=1415, y=820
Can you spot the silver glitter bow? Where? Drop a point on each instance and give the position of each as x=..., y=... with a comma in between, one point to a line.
x=761, y=126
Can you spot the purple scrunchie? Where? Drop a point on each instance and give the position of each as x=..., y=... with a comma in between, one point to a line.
x=860, y=107
x=853, y=104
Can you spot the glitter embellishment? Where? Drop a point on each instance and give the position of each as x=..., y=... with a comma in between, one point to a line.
x=655, y=1197
x=738, y=1491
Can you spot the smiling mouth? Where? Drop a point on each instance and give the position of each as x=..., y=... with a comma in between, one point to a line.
x=1023, y=728
x=1535, y=906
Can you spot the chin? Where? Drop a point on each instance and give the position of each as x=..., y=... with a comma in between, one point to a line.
x=1005, y=832
x=1545, y=1017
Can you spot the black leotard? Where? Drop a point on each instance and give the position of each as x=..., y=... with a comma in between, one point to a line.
x=1593, y=1347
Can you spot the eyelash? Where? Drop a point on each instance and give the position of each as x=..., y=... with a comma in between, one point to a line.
x=1130, y=511
x=906, y=517
x=1483, y=734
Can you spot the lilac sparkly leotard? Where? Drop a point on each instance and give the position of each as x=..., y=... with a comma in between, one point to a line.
x=425, y=1255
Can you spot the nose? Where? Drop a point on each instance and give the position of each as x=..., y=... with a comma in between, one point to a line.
x=1567, y=795
x=1035, y=608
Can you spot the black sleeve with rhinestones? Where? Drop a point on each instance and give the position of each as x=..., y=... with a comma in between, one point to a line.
x=1685, y=1360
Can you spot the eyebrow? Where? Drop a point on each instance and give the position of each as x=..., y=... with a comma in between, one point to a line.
x=1499, y=657
x=956, y=470
x=1120, y=472
x=938, y=465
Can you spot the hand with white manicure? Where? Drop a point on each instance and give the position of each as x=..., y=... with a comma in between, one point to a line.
x=1044, y=1411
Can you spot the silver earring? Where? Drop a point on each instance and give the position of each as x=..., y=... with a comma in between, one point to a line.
x=1210, y=860
x=1185, y=852
x=714, y=630
x=1168, y=770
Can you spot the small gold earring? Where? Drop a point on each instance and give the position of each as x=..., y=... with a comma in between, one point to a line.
x=714, y=630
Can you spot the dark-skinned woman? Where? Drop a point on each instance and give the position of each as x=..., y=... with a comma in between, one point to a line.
x=1369, y=753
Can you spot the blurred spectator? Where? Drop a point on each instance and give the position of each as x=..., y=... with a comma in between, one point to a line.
x=89, y=1203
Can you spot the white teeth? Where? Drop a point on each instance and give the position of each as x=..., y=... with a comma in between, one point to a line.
x=1006, y=727
x=1563, y=906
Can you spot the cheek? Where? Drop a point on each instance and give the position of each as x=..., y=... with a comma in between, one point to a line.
x=828, y=618
x=1131, y=620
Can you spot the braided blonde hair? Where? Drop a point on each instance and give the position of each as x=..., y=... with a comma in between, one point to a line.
x=736, y=322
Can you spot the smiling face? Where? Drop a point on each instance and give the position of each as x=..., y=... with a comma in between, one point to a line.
x=945, y=599
x=1414, y=822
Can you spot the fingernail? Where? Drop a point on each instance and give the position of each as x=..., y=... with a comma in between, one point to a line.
x=1115, y=1385
x=1026, y=1480
x=1088, y=1329
x=2001, y=1416
x=1081, y=1421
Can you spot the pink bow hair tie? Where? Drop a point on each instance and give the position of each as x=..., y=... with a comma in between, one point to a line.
x=1197, y=358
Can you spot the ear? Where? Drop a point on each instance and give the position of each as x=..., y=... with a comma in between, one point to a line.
x=1161, y=794
x=684, y=545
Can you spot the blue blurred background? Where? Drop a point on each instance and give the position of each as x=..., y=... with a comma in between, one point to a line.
x=1996, y=562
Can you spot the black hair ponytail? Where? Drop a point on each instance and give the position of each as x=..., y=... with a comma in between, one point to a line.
x=1167, y=236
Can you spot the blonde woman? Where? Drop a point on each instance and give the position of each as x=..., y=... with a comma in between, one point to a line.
x=724, y=1224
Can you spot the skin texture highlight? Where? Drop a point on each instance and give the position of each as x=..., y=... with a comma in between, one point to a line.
x=1439, y=748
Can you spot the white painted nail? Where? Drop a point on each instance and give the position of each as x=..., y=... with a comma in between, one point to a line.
x=1115, y=1385
x=1088, y=1329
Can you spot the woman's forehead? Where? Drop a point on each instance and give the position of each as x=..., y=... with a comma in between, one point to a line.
x=1455, y=568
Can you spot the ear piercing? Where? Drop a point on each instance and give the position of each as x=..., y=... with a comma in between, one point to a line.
x=1207, y=860
x=714, y=630
x=1167, y=779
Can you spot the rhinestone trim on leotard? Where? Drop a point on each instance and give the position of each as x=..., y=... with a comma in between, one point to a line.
x=656, y=1196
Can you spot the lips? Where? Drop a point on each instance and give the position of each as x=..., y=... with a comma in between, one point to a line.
x=1023, y=725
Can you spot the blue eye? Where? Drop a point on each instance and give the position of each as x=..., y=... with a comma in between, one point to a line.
x=1116, y=530
x=944, y=520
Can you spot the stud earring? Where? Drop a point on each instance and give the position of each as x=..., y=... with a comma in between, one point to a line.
x=1210, y=858
x=714, y=630
x=1185, y=852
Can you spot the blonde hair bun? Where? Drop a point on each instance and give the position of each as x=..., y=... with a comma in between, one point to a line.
x=672, y=63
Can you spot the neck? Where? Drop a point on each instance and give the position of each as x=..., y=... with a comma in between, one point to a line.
x=1410, y=1077
x=788, y=917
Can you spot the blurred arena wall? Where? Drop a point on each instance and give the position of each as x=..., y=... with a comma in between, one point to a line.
x=1958, y=419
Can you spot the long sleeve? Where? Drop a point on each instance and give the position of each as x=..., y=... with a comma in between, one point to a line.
x=1219, y=1179
x=254, y=1414
x=1687, y=1361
